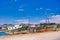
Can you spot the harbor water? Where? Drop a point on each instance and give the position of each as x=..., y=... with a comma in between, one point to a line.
x=2, y=33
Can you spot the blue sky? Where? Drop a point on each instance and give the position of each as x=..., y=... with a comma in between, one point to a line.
x=11, y=10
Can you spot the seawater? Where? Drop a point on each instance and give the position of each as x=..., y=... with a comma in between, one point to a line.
x=2, y=33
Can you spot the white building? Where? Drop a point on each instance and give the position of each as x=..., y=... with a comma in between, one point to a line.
x=35, y=25
x=14, y=27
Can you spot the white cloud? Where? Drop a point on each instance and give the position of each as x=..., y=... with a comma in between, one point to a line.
x=20, y=21
x=34, y=23
x=42, y=21
x=20, y=9
x=57, y=16
x=41, y=8
x=52, y=19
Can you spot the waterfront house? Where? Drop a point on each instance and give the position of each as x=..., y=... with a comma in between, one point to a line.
x=0, y=28
x=49, y=26
x=33, y=28
x=11, y=29
x=14, y=27
x=4, y=27
x=58, y=27
x=24, y=28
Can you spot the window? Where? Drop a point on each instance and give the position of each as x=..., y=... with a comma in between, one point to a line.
x=15, y=27
x=0, y=27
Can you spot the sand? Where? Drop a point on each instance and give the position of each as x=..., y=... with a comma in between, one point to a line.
x=34, y=36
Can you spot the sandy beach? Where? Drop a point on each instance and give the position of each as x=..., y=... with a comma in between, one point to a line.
x=34, y=36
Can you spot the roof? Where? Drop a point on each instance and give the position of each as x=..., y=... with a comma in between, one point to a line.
x=7, y=25
x=47, y=24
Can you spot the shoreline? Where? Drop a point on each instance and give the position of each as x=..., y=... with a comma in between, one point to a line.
x=27, y=34
x=33, y=36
